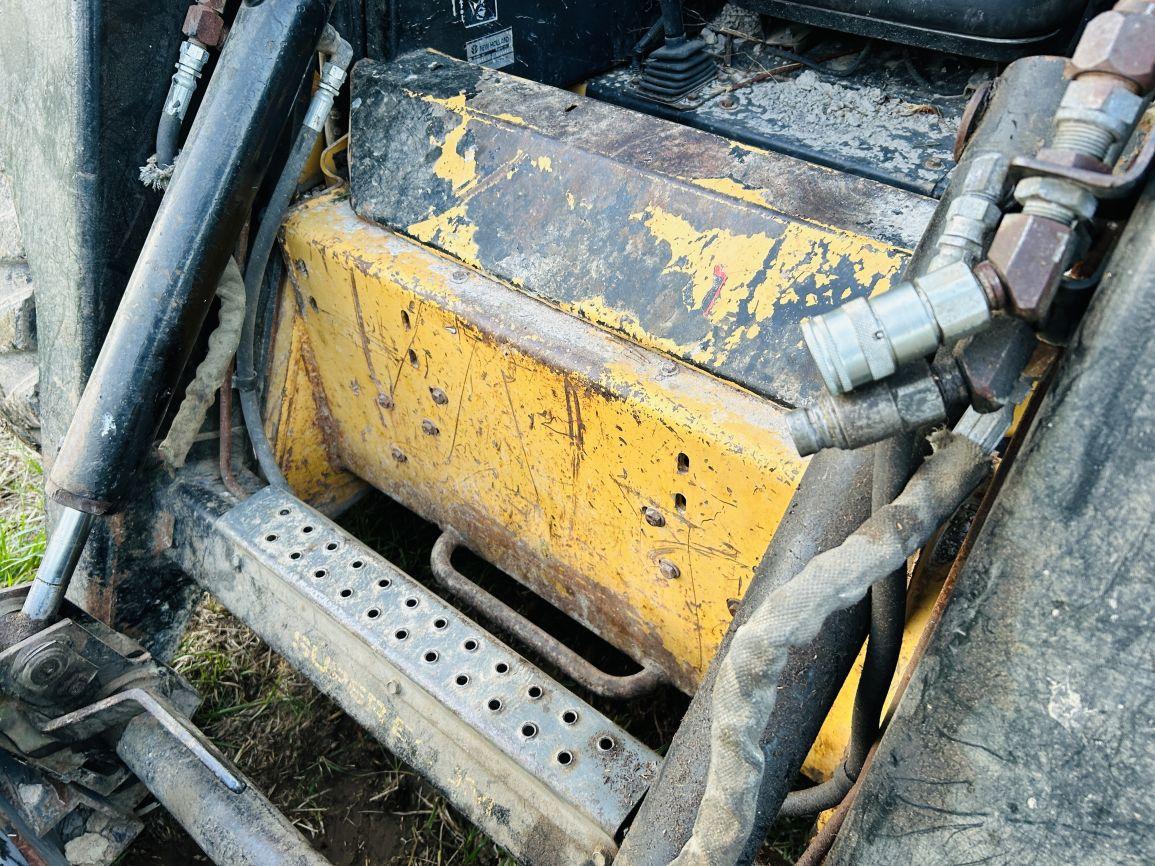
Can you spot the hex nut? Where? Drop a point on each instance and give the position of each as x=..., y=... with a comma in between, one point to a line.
x=974, y=207
x=1118, y=43
x=1055, y=190
x=205, y=25
x=992, y=361
x=985, y=175
x=1029, y=253
x=1103, y=101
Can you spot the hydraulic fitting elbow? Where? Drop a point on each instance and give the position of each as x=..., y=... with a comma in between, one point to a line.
x=868, y=339
x=340, y=54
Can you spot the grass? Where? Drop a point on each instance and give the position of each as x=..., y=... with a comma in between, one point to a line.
x=21, y=511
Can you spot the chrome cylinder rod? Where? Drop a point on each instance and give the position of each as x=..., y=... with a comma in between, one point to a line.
x=65, y=545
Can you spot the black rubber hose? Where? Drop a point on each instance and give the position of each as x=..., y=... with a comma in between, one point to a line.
x=246, y=378
x=167, y=134
x=893, y=465
x=672, y=19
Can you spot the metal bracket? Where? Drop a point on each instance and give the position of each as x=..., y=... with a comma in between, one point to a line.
x=123, y=707
x=1105, y=185
x=533, y=636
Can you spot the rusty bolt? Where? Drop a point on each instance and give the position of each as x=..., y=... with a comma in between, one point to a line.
x=669, y=570
x=398, y=454
x=439, y=396
x=205, y=25
x=384, y=401
x=1119, y=44
x=1071, y=159
x=653, y=516
x=992, y=361
x=429, y=428
x=1029, y=253
x=393, y=687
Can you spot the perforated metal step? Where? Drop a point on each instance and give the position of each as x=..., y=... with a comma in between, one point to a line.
x=541, y=770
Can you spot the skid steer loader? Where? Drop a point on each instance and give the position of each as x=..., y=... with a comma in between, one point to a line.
x=794, y=356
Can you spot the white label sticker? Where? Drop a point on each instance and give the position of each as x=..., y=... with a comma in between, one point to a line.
x=477, y=12
x=494, y=50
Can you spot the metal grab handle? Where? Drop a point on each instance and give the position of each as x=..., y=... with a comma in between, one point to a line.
x=541, y=641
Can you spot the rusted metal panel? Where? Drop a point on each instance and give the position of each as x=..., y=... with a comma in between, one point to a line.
x=633, y=491
x=684, y=241
x=540, y=771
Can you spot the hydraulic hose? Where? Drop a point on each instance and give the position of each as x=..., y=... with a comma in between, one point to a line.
x=340, y=53
x=893, y=465
x=744, y=693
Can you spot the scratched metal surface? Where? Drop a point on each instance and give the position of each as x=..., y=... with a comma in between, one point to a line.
x=688, y=243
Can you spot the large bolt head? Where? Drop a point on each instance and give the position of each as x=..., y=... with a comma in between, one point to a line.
x=205, y=25
x=1118, y=43
x=1029, y=253
x=992, y=361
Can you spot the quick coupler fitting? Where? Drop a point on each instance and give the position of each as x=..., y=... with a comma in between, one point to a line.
x=918, y=395
x=868, y=339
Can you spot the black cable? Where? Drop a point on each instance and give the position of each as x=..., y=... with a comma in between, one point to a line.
x=894, y=463
x=921, y=80
x=822, y=68
x=246, y=377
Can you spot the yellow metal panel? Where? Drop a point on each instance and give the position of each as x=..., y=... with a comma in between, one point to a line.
x=541, y=438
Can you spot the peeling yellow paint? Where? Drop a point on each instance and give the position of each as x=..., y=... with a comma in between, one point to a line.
x=554, y=463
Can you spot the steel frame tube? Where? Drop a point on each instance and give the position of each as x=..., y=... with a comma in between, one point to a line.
x=65, y=545
x=234, y=828
x=171, y=289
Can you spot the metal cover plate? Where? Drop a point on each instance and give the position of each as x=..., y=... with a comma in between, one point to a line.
x=582, y=756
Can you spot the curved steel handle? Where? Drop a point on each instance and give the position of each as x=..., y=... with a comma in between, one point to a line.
x=557, y=653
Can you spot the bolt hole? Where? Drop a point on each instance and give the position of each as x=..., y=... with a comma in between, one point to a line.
x=401, y=633
x=606, y=743
x=284, y=512
x=332, y=545
x=439, y=623
x=346, y=593
x=271, y=537
x=462, y=680
x=411, y=602
x=295, y=555
x=384, y=582
x=534, y=692
x=494, y=704
x=570, y=108
x=529, y=730
x=405, y=320
x=306, y=529
x=470, y=645
x=501, y=668
x=372, y=613
x=431, y=656
x=413, y=358
x=679, y=503
x=683, y=462
x=358, y=563
x=569, y=717
x=320, y=572
x=565, y=758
